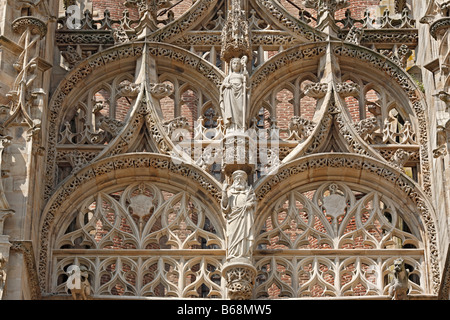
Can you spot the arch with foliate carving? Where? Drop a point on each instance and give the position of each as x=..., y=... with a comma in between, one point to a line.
x=108, y=176
x=114, y=61
x=362, y=173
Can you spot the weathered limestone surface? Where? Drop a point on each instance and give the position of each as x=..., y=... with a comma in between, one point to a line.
x=224, y=149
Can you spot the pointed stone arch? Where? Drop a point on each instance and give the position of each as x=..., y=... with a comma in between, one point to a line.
x=108, y=62
x=278, y=15
x=115, y=171
x=351, y=59
x=365, y=171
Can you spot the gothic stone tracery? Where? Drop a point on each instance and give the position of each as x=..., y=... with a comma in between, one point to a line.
x=224, y=149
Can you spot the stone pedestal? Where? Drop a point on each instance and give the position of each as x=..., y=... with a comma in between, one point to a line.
x=240, y=276
x=240, y=153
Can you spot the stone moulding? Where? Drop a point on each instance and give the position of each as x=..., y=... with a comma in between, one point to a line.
x=307, y=167
x=36, y=26
x=187, y=21
x=113, y=168
x=277, y=63
x=286, y=21
x=436, y=26
x=26, y=248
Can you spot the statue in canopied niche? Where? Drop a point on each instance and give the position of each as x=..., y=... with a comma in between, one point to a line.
x=233, y=94
x=238, y=206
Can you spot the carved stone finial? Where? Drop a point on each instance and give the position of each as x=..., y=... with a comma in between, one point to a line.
x=325, y=13
x=399, y=5
x=151, y=6
x=354, y=35
x=148, y=13
x=120, y=36
x=240, y=280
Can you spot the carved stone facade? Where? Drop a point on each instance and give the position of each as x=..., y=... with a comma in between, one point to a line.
x=224, y=149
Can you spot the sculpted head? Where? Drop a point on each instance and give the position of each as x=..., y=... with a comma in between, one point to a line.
x=399, y=265
x=236, y=65
x=239, y=178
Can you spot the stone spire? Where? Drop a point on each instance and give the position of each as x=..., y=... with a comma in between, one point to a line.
x=236, y=34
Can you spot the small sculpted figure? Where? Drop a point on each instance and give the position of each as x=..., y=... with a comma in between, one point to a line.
x=233, y=94
x=398, y=289
x=78, y=282
x=238, y=206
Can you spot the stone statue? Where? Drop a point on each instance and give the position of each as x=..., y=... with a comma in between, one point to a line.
x=2, y=275
x=398, y=288
x=78, y=282
x=238, y=206
x=233, y=94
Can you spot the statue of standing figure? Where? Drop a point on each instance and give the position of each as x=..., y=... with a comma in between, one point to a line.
x=2, y=275
x=233, y=94
x=238, y=206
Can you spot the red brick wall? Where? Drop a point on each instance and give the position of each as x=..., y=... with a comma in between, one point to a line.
x=284, y=110
x=115, y=7
x=189, y=107
x=357, y=8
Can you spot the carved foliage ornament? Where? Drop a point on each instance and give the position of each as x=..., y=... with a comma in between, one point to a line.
x=236, y=35
x=36, y=26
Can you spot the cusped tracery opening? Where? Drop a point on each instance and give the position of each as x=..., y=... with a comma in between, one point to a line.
x=335, y=239
x=138, y=240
